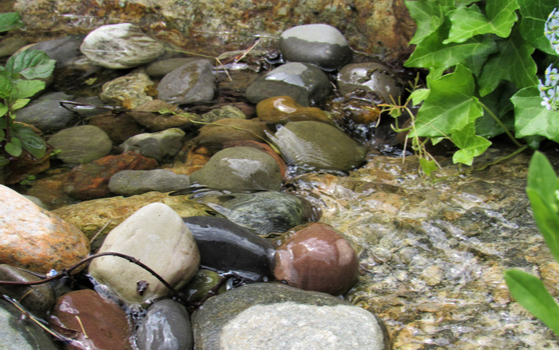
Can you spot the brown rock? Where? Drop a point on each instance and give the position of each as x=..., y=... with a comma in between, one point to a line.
x=92, y=321
x=36, y=239
x=119, y=127
x=50, y=190
x=317, y=258
x=282, y=109
x=148, y=116
x=224, y=130
x=91, y=180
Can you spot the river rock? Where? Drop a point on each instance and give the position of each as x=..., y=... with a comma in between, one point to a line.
x=369, y=76
x=89, y=181
x=226, y=246
x=283, y=109
x=319, y=44
x=225, y=130
x=273, y=316
x=158, y=237
x=262, y=212
x=35, y=239
x=165, y=326
x=263, y=147
x=240, y=169
x=158, y=145
x=21, y=335
x=61, y=50
x=121, y=45
x=159, y=69
x=128, y=91
x=224, y=112
x=94, y=322
x=149, y=116
x=305, y=83
x=193, y=82
x=201, y=285
x=317, y=258
x=10, y=46
x=88, y=107
x=46, y=114
x=131, y=182
x=81, y=144
x=119, y=128
x=37, y=299
x=314, y=146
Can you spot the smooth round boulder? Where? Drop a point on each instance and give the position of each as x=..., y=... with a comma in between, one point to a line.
x=305, y=83
x=131, y=182
x=319, y=44
x=371, y=77
x=283, y=109
x=120, y=46
x=317, y=258
x=157, y=236
x=193, y=82
x=46, y=114
x=81, y=144
x=157, y=145
x=240, y=169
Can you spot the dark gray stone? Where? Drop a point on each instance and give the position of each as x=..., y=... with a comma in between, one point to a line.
x=46, y=113
x=319, y=44
x=305, y=83
x=81, y=144
x=193, y=82
x=159, y=69
x=61, y=50
x=131, y=182
x=275, y=316
x=369, y=76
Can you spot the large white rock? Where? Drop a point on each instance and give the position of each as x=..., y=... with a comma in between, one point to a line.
x=157, y=236
x=119, y=46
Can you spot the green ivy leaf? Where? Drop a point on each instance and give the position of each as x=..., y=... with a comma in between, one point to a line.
x=470, y=144
x=9, y=21
x=530, y=292
x=428, y=16
x=499, y=102
x=534, y=16
x=428, y=166
x=531, y=118
x=469, y=21
x=450, y=104
x=26, y=88
x=433, y=53
x=32, y=142
x=419, y=95
x=513, y=62
x=14, y=147
x=31, y=64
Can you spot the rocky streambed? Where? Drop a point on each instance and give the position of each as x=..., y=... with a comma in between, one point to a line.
x=271, y=179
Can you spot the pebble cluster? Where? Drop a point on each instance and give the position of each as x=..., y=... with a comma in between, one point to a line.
x=293, y=280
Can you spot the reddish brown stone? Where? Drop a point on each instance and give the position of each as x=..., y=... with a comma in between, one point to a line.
x=50, y=190
x=90, y=181
x=317, y=258
x=91, y=321
x=282, y=109
x=119, y=128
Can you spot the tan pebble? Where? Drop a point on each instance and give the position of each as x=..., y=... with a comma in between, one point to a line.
x=432, y=275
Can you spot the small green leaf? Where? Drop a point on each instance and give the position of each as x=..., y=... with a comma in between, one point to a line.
x=14, y=147
x=534, y=16
x=531, y=118
x=428, y=16
x=9, y=21
x=5, y=84
x=26, y=88
x=428, y=166
x=419, y=95
x=4, y=161
x=530, y=292
x=31, y=142
x=470, y=144
x=22, y=102
x=31, y=64
x=468, y=22
x=3, y=109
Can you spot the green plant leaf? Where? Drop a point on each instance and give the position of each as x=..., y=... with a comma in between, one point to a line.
x=449, y=106
x=31, y=64
x=3, y=109
x=534, y=16
x=9, y=21
x=5, y=84
x=530, y=292
x=428, y=166
x=470, y=145
x=32, y=142
x=4, y=161
x=419, y=95
x=499, y=102
x=14, y=147
x=428, y=16
x=22, y=102
x=513, y=62
x=531, y=118
x=26, y=88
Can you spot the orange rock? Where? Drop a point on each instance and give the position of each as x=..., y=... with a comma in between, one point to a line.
x=36, y=239
x=284, y=109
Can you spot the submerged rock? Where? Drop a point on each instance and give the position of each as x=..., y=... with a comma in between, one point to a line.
x=226, y=130
x=129, y=91
x=283, y=109
x=81, y=144
x=131, y=182
x=193, y=82
x=157, y=145
x=370, y=76
x=46, y=114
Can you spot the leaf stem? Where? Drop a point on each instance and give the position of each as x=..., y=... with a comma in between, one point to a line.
x=499, y=122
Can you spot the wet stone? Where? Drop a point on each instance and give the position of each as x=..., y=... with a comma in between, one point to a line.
x=317, y=258
x=46, y=114
x=226, y=246
x=61, y=50
x=159, y=145
x=104, y=322
x=240, y=169
x=369, y=76
x=119, y=128
x=149, y=116
x=193, y=82
x=81, y=144
x=131, y=182
x=120, y=46
x=225, y=112
x=283, y=109
x=128, y=91
x=165, y=326
x=161, y=68
x=273, y=316
x=202, y=284
x=305, y=83
x=10, y=46
x=226, y=130
x=319, y=44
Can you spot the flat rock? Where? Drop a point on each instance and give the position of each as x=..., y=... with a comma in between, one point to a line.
x=131, y=182
x=36, y=239
x=193, y=82
x=81, y=144
x=150, y=116
x=158, y=145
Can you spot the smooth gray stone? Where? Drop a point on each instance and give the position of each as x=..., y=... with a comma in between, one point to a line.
x=166, y=326
x=81, y=144
x=21, y=335
x=240, y=169
x=157, y=145
x=119, y=46
x=369, y=76
x=305, y=83
x=319, y=44
x=193, y=82
x=61, y=50
x=46, y=114
x=131, y=182
x=274, y=316
x=161, y=68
